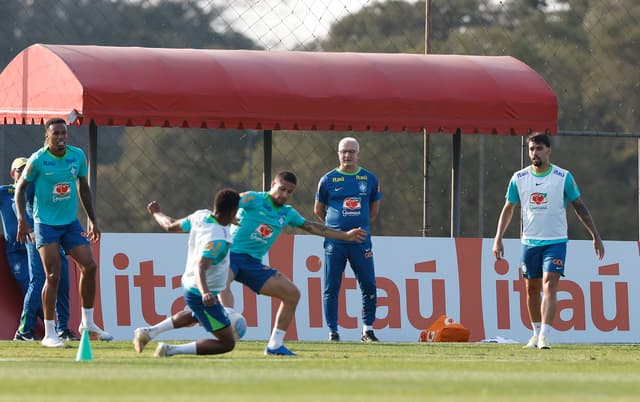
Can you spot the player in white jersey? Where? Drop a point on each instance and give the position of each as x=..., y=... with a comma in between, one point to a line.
x=205, y=275
x=543, y=190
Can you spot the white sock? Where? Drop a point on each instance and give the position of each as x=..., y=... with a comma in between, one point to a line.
x=536, y=328
x=366, y=328
x=184, y=349
x=87, y=316
x=49, y=328
x=162, y=326
x=277, y=336
x=545, y=329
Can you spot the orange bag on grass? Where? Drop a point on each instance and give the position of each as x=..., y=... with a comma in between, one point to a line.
x=445, y=329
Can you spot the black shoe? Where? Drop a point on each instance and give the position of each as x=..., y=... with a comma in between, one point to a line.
x=68, y=335
x=25, y=336
x=369, y=336
x=334, y=336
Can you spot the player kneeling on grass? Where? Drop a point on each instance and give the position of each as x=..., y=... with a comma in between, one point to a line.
x=205, y=275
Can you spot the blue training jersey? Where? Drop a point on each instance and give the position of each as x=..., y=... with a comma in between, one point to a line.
x=261, y=221
x=9, y=219
x=348, y=197
x=56, y=184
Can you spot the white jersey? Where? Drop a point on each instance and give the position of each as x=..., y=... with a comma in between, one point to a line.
x=543, y=200
x=204, y=232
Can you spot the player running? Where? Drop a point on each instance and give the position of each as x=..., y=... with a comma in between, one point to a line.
x=262, y=216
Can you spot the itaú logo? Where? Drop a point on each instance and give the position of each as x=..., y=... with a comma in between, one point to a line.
x=538, y=198
x=61, y=189
x=265, y=231
x=352, y=203
x=603, y=302
x=140, y=288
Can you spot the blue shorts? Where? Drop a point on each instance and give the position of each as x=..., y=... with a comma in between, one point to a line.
x=68, y=236
x=538, y=259
x=212, y=318
x=250, y=271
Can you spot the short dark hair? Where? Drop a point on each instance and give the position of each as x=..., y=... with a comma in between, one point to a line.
x=52, y=121
x=287, y=176
x=226, y=200
x=539, y=138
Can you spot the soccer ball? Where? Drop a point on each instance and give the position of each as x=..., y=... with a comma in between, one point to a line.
x=238, y=323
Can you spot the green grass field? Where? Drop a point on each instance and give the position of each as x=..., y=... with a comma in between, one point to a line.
x=324, y=372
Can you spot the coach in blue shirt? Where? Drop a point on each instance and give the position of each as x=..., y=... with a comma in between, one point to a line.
x=349, y=197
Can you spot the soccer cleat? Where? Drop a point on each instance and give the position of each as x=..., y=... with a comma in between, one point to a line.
x=52, y=342
x=161, y=350
x=25, y=336
x=334, y=336
x=68, y=335
x=281, y=351
x=141, y=338
x=543, y=343
x=533, y=343
x=368, y=337
x=102, y=335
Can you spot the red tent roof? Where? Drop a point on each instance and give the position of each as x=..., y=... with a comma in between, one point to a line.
x=132, y=86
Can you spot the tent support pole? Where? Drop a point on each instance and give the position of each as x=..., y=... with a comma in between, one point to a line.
x=267, y=145
x=93, y=160
x=426, y=165
x=455, y=184
x=426, y=222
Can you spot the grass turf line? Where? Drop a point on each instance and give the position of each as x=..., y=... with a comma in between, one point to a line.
x=325, y=372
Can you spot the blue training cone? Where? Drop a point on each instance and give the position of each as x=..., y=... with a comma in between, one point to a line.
x=84, y=349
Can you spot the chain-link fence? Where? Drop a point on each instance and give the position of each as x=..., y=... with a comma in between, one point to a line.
x=586, y=50
x=182, y=168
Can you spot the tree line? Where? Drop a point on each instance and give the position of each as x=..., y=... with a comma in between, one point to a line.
x=584, y=49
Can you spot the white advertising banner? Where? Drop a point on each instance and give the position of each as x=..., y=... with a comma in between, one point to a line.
x=419, y=279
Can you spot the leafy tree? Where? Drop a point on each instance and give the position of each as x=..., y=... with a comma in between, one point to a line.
x=612, y=84
x=118, y=23
x=134, y=164
x=585, y=49
x=398, y=26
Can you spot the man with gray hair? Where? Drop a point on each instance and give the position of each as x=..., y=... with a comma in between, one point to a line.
x=349, y=197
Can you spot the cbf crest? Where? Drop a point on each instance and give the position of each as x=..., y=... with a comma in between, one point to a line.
x=328, y=248
x=362, y=186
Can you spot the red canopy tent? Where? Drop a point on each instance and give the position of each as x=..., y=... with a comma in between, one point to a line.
x=198, y=88
x=249, y=89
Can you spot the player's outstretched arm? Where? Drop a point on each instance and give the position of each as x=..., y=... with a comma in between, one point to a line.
x=317, y=228
x=165, y=221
